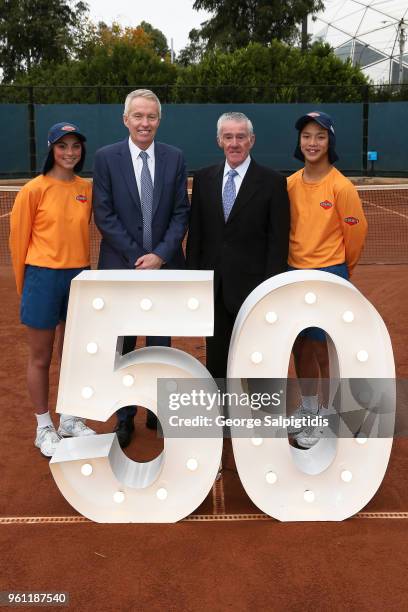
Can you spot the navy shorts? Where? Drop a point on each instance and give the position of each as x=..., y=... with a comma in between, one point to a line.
x=44, y=302
x=316, y=333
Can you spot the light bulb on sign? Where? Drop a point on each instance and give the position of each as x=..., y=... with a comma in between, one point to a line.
x=87, y=392
x=193, y=303
x=119, y=497
x=348, y=316
x=146, y=304
x=92, y=348
x=346, y=476
x=98, y=303
x=310, y=298
x=192, y=464
x=86, y=469
x=171, y=386
x=271, y=477
x=128, y=380
x=271, y=317
x=161, y=494
x=309, y=496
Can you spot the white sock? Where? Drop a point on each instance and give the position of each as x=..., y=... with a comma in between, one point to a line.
x=44, y=420
x=310, y=403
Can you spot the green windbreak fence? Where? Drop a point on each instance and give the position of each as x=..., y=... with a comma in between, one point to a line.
x=14, y=130
x=388, y=136
x=381, y=127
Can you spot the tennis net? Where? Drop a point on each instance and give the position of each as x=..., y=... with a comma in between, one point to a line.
x=385, y=206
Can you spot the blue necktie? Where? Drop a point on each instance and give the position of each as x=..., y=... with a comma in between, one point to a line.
x=229, y=193
x=146, y=200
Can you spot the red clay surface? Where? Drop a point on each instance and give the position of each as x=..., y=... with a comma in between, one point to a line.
x=359, y=564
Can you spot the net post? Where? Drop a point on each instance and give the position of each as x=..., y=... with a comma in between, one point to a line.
x=31, y=131
x=366, y=110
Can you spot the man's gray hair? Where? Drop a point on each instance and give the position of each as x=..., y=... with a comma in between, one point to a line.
x=234, y=116
x=141, y=93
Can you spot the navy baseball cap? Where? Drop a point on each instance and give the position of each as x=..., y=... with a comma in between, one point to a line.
x=55, y=133
x=326, y=122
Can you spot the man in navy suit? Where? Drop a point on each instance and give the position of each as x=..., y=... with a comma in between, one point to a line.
x=141, y=208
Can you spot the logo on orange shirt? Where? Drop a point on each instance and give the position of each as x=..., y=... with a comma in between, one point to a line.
x=326, y=204
x=351, y=220
x=81, y=198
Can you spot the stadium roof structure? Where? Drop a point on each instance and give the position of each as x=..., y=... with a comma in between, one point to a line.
x=372, y=33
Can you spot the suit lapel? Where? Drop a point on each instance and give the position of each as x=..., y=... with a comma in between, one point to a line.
x=248, y=188
x=159, y=168
x=128, y=171
x=215, y=191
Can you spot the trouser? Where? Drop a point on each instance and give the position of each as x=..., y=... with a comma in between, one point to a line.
x=218, y=344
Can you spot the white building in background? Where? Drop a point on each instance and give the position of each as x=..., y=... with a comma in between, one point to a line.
x=372, y=33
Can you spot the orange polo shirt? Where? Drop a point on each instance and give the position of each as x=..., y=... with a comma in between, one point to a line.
x=328, y=225
x=49, y=225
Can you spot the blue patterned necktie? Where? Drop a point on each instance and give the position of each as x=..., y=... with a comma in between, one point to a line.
x=229, y=193
x=146, y=200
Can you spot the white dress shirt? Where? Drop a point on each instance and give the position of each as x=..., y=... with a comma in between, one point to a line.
x=138, y=162
x=241, y=169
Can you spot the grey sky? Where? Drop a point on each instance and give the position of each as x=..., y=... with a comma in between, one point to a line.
x=174, y=18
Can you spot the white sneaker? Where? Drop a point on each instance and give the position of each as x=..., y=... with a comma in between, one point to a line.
x=311, y=435
x=300, y=413
x=47, y=440
x=75, y=427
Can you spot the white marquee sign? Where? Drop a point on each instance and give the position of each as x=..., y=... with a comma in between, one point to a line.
x=331, y=481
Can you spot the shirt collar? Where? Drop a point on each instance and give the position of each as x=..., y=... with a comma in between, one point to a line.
x=241, y=169
x=135, y=150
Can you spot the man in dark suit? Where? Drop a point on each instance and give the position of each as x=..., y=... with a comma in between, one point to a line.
x=141, y=208
x=239, y=228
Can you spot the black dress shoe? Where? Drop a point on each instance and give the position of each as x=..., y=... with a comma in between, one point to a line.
x=124, y=430
x=151, y=420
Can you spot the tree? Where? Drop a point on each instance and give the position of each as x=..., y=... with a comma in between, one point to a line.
x=106, y=74
x=109, y=61
x=157, y=38
x=194, y=52
x=32, y=31
x=236, y=23
x=143, y=35
x=278, y=73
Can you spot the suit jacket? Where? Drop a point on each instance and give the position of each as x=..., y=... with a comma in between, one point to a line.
x=118, y=212
x=253, y=244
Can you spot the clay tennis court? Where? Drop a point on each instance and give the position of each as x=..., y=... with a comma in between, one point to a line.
x=227, y=554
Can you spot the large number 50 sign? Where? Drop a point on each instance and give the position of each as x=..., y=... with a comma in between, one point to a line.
x=96, y=477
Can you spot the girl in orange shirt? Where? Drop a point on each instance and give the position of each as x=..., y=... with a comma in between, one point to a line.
x=49, y=243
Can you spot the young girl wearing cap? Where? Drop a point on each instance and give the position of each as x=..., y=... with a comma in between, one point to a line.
x=328, y=229
x=49, y=243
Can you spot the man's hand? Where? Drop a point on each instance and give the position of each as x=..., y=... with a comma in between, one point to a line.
x=150, y=261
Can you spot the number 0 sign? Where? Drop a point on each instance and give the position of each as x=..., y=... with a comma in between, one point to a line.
x=94, y=475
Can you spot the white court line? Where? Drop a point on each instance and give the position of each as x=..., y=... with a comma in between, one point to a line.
x=41, y=520
x=382, y=187
x=394, y=212
x=218, y=496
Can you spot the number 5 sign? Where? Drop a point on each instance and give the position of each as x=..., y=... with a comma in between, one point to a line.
x=331, y=481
